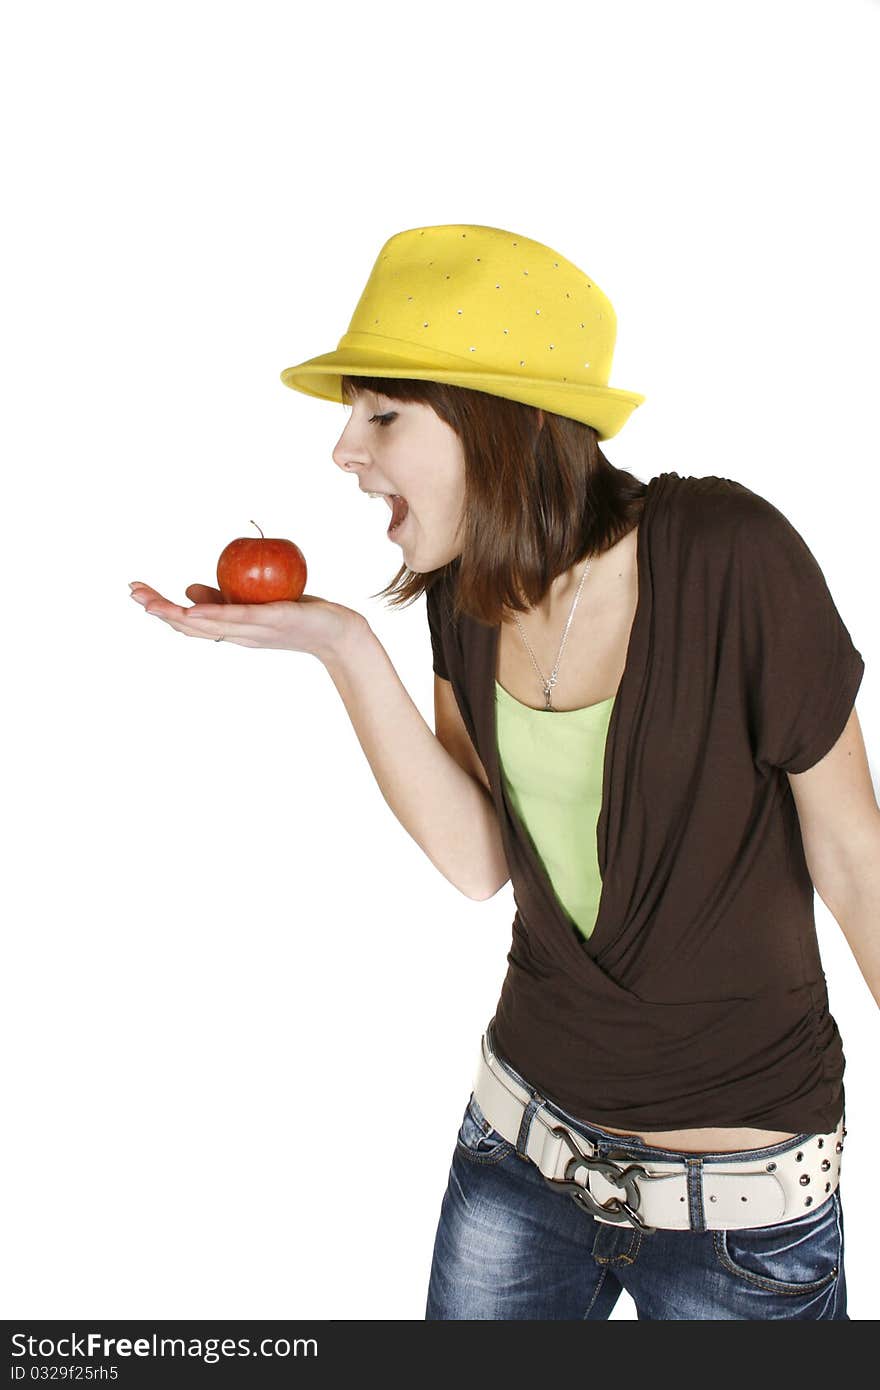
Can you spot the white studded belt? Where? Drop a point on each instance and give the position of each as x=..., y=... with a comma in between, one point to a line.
x=698, y=1192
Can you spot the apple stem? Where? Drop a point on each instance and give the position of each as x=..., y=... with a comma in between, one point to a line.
x=253, y=523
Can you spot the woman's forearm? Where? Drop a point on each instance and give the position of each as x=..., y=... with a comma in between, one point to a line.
x=447, y=812
x=856, y=908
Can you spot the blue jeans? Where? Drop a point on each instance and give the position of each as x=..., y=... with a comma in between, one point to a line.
x=508, y=1246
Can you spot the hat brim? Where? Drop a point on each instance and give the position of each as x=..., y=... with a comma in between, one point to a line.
x=605, y=408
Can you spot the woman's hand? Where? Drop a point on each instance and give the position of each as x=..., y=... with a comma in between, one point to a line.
x=311, y=624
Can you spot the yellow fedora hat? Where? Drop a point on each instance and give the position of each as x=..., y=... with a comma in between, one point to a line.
x=487, y=310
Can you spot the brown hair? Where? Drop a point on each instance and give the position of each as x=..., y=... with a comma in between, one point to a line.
x=537, y=500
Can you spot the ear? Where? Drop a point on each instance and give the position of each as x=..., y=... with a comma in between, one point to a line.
x=540, y=418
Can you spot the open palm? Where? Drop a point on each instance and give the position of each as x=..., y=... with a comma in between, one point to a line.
x=310, y=624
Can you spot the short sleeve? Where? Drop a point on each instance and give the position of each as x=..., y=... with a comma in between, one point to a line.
x=802, y=669
x=432, y=603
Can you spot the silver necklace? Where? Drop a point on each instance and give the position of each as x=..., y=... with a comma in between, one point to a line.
x=547, y=685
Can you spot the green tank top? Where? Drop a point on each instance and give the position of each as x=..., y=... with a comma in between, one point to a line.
x=552, y=769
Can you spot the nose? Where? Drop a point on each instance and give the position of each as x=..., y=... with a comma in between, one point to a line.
x=347, y=454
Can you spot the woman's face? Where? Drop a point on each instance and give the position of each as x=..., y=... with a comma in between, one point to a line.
x=417, y=455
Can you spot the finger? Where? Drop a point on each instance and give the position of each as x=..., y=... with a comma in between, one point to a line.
x=143, y=594
x=203, y=593
x=228, y=615
x=159, y=607
x=207, y=619
x=182, y=621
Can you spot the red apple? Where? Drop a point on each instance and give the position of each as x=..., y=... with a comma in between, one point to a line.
x=261, y=571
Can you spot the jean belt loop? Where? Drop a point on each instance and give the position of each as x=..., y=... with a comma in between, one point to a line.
x=695, y=1193
x=522, y=1139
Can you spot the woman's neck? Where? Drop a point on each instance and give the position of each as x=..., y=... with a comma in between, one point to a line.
x=608, y=574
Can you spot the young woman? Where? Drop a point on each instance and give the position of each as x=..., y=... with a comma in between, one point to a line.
x=644, y=719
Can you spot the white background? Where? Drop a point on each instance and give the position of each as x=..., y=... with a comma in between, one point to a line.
x=242, y=1010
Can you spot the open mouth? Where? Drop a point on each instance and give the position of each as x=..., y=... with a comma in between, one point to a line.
x=399, y=511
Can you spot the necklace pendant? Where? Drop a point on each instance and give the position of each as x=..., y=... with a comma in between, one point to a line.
x=548, y=685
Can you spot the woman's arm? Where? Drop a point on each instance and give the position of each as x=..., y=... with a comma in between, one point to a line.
x=447, y=811
x=840, y=828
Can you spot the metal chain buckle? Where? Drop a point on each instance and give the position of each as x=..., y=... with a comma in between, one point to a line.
x=615, y=1209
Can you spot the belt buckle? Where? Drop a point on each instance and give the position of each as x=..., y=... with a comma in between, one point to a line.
x=615, y=1209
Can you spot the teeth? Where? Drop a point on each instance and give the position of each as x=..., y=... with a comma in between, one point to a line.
x=389, y=497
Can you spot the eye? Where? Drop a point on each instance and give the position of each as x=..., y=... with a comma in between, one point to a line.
x=383, y=419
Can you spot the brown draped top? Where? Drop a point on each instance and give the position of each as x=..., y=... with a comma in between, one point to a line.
x=699, y=999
